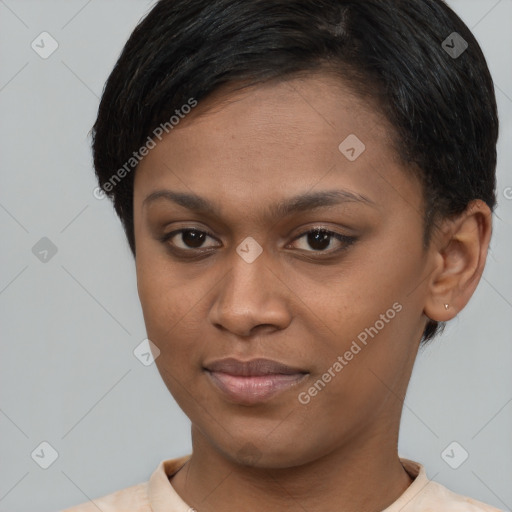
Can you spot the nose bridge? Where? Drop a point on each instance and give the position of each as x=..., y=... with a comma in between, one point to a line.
x=248, y=281
x=251, y=294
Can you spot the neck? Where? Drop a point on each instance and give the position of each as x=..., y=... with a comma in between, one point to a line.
x=358, y=477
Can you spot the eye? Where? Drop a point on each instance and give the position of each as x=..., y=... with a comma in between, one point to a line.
x=322, y=240
x=188, y=241
x=185, y=239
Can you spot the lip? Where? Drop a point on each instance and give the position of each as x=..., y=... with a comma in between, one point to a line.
x=251, y=368
x=254, y=381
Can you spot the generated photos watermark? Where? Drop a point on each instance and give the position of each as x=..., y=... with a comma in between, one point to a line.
x=137, y=156
x=305, y=397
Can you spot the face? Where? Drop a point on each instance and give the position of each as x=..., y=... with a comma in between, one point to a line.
x=263, y=233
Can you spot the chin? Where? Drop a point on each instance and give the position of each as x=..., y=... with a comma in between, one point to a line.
x=261, y=453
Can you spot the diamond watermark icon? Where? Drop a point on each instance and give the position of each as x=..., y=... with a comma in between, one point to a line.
x=249, y=454
x=249, y=249
x=44, y=455
x=454, y=45
x=44, y=45
x=44, y=250
x=146, y=352
x=352, y=147
x=454, y=455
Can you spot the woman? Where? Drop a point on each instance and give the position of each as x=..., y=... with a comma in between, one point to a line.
x=307, y=188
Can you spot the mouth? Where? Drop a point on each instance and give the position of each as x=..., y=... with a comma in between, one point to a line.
x=252, y=382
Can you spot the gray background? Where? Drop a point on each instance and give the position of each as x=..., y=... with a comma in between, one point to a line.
x=68, y=375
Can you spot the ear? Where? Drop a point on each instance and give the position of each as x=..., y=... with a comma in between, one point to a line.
x=459, y=251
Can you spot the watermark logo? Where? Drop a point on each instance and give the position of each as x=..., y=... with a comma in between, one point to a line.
x=44, y=250
x=454, y=45
x=44, y=455
x=454, y=455
x=146, y=352
x=44, y=45
x=137, y=156
x=352, y=147
x=249, y=454
x=249, y=249
x=305, y=397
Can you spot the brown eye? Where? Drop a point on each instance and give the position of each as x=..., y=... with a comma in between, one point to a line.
x=193, y=238
x=186, y=238
x=321, y=239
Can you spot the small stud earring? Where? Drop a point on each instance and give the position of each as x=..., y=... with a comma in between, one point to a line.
x=446, y=306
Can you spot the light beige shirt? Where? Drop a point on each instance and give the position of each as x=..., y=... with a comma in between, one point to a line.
x=158, y=495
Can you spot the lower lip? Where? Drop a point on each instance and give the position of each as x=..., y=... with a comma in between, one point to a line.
x=253, y=389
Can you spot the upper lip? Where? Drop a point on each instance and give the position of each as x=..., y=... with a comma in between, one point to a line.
x=253, y=367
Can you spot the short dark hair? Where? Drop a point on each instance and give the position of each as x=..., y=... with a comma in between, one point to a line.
x=442, y=105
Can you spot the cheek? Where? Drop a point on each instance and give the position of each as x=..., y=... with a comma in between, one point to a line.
x=160, y=308
x=169, y=319
x=372, y=327
x=149, y=288
x=172, y=310
x=159, y=286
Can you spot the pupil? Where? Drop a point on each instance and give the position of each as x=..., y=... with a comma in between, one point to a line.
x=193, y=238
x=319, y=240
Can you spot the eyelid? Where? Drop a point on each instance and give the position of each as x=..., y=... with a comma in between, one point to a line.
x=326, y=229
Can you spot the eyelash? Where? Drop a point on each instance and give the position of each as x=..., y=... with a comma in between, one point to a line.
x=347, y=241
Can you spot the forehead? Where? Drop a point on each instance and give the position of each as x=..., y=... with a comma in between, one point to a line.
x=279, y=136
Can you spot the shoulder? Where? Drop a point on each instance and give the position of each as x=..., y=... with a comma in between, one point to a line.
x=142, y=497
x=130, y=499
x=437, y=497
x=425, y=495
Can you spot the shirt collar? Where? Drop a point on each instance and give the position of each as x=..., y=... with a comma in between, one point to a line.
x=162, y=496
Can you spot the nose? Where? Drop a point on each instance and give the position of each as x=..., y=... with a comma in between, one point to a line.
x=251, y=299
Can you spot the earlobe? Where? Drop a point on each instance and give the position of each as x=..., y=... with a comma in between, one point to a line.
x=460, y=254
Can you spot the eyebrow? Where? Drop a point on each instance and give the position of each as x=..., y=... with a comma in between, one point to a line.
x=295, y=204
